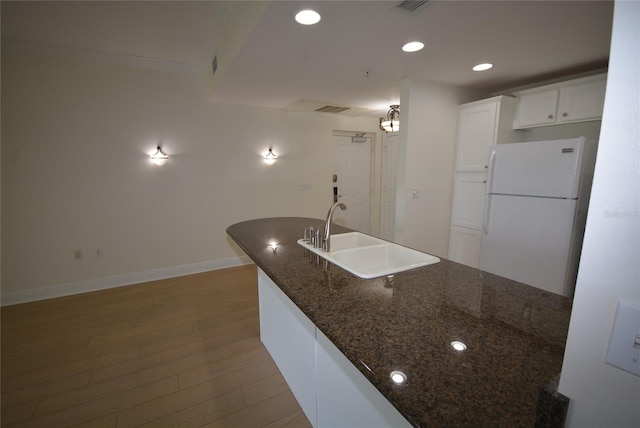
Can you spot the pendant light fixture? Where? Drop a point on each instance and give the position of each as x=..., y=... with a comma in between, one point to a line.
x=392, y=122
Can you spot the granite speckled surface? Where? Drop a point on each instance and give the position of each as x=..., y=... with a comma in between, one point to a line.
x=515, y=334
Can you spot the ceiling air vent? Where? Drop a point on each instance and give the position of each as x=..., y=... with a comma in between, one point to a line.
x=412, y=6
x=332, y=109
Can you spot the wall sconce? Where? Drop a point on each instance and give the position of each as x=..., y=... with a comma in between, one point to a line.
x=159, y=157
x=392, y=122
x=270, y=157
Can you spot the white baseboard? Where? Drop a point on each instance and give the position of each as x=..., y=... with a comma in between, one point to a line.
x=119, y=280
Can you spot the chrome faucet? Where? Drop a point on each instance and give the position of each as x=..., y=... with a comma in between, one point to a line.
x=326, y=241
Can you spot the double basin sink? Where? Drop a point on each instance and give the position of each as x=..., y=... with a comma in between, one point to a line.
x=369, y=257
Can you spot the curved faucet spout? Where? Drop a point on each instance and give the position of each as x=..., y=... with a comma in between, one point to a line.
x=327, y=224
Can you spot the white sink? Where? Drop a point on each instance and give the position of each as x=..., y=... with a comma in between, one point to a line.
x=369, y=257
x=350, y=240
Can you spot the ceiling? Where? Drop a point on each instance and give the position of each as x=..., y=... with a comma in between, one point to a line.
x=352, y=57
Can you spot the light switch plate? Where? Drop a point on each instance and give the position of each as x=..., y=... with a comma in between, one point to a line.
x=624, y=344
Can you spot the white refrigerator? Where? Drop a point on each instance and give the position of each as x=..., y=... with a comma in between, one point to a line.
x=535, y=212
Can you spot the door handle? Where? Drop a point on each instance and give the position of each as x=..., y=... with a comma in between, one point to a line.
x=492, y=167
x=488, y=190
x=487, y=213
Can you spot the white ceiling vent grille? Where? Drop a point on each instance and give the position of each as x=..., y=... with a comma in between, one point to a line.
x=412, y=6
x=332, y=109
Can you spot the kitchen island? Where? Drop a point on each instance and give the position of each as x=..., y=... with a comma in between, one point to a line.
x=514, y=334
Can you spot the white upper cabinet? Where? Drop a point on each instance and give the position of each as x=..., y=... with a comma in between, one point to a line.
x=481, y=124
x=577, y=100
x=582, y=102
x=537, y=109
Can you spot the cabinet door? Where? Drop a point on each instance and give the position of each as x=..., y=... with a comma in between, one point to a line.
x=289, y=336
x=476, y=133
x=582, y=102
x=464, y=246
x=467, y=207
x=537, y=109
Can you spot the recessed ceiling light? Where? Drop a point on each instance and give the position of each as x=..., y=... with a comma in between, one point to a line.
x=413, y=46
x=307, y=17
x=482, y=67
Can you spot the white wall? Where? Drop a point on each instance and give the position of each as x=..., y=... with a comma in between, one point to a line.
x=426, y=153
x=590, y=130
x=76, y=173
x=602, y=395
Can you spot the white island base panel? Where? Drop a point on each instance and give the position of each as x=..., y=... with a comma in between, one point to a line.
x=330, y=390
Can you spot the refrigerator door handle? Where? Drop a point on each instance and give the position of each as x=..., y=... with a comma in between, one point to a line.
x=487, y=198
x=492, y=167
x=487, y=213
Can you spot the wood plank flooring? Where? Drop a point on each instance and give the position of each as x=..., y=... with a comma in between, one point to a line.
x=181, y=352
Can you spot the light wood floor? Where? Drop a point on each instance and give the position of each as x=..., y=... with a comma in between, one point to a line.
x=182, y=352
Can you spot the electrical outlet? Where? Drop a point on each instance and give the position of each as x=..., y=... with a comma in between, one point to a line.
x=624, y=344
x=77, y=254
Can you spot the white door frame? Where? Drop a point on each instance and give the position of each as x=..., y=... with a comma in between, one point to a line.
x=388, y=172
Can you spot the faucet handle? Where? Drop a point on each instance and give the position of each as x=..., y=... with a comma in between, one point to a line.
x=318, y=243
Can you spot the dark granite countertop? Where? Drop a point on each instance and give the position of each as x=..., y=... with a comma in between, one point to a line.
x=515, y=334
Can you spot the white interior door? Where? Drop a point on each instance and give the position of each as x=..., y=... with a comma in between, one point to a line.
x=388, y=197
x=352, y=170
